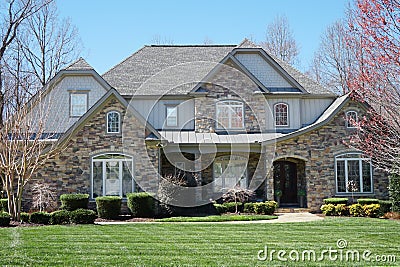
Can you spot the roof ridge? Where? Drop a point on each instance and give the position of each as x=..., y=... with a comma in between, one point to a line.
x=125, y=59
x=194, y=45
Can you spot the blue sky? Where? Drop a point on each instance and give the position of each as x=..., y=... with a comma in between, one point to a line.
x=113, y=30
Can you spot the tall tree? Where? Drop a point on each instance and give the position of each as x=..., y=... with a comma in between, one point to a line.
x=334, y=58
x=48, y=43
x=12, y=15
x=280, y=42
x=376, y=79
x=24, y=147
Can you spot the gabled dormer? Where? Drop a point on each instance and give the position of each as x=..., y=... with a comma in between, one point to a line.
x=70, y=94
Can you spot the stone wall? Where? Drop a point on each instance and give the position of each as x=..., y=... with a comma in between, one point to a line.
x=318, y=148
x=230, y=84
x=70, y=170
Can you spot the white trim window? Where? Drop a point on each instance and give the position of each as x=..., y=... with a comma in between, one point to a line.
x=229, y=171
x=351, y=119
x=78, y=104
x=230, y=114
x=113, y=122
x=112, y=175
x=353, y=173
x=172, y=116
x=281, y=111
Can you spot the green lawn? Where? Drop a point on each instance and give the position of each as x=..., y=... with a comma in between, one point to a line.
x=219, y=218
x=172, y=244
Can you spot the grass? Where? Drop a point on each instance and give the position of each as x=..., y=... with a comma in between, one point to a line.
x=218, y=218
x=164, y=244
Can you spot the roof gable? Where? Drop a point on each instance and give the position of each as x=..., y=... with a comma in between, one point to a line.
x=80, y=64
x=95, y=108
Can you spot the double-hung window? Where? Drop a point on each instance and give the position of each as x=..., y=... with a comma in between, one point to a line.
x=172, y=116
x=78, y=104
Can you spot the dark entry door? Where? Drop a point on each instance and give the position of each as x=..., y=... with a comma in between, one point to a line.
x=285, y=177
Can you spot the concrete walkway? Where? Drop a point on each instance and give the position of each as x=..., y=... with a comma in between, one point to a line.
x=282, y=218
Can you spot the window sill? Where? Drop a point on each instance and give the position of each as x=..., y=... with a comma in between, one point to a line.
x=358, y=194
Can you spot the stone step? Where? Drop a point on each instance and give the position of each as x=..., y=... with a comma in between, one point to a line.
x=292, y=210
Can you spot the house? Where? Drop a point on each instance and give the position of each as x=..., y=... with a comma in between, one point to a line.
x=218, y=115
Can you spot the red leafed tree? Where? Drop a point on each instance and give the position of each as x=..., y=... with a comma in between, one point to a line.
x=375, y=79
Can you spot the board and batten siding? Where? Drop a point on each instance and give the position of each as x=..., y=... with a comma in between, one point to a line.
x=312, y=109
x=155, y=112
x=55, y=106
x=294, y=114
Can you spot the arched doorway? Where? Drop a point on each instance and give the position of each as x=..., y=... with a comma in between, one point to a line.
x=285, y=181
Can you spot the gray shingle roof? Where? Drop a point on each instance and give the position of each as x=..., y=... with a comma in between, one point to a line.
x=131, y=73
x=79, y=64
x=150, y=69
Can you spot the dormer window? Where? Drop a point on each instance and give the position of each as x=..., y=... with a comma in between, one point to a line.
x=281, y=111
x=78, y=104
x=230, y=115
x=113, y=122
x=351, y=119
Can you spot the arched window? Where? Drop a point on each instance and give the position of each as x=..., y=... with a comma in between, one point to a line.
x=230, y=115
x=353, y=173
x=112, y=175
x=230, y=171
x=351, y=119
x=281, y=111
x=113, y=122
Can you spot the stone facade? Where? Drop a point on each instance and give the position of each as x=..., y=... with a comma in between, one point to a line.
x=230, y=84
x=70, y=170
x=317, y=149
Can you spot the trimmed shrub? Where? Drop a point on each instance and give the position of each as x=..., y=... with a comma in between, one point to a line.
x=5, y=218
x=267, y=208
x=372, y=210
x=367, y=201
x=328, y=209
x=341, y=210
x=336, y=200
x=220, y=208
x=386, y=206
x=4, y=204
x=40, y=217
x=83, y=216
x=231, y=206
x=108, y=207
x=72, y=202
x=60, y=217
x=141, y=204
x=248, y=208
x=24, y=217
x=356, y=210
